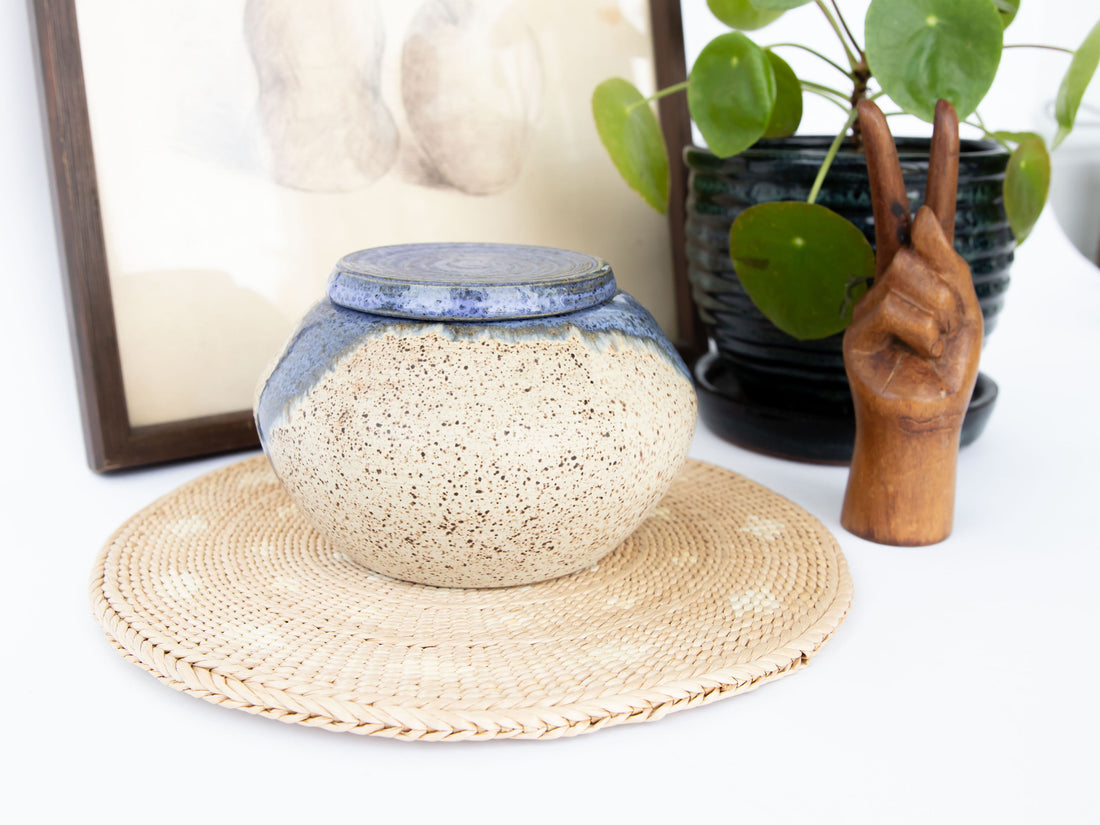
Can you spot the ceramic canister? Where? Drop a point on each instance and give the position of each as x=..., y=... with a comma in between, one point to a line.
x=476, y=415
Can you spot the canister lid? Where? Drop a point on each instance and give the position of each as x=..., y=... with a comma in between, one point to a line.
x=470, y=281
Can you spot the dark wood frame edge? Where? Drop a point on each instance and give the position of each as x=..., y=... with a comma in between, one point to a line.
x=671, y=68
x=111, y=442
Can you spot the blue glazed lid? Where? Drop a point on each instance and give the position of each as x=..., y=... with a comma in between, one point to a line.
x=470, y=281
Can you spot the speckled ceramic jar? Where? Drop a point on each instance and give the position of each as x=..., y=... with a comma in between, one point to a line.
x=476, y=415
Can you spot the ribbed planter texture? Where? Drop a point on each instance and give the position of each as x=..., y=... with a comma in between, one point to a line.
x=765, y=390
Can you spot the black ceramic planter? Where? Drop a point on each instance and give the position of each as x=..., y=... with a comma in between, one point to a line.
x=765, y=390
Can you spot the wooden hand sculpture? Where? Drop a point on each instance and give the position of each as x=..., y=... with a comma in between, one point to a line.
x=911, y=352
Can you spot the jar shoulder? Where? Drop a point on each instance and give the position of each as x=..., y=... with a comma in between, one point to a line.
x=328, y=332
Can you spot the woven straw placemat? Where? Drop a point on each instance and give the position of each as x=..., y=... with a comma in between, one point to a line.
x=222, y=590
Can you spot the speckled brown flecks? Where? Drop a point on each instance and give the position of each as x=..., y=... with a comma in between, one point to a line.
x=485, y=462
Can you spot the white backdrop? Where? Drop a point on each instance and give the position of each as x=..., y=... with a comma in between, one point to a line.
x=962, y=687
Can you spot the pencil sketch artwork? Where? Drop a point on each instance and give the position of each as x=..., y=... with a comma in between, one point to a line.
x=243, y=146
x=319, y=67
x=470, y=83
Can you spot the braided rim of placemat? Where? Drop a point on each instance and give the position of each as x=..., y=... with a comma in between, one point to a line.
x=200, y=673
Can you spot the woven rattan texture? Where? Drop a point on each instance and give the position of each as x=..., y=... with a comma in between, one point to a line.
x=222, y=590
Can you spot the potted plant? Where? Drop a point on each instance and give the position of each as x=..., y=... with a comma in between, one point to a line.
x=779, y=226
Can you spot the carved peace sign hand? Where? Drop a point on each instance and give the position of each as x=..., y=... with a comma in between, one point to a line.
x=915, y=337
x=912, y=349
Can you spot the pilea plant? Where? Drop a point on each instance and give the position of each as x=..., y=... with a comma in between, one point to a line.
x=793, y=256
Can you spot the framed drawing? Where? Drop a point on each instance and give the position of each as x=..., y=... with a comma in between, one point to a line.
x=213, y=159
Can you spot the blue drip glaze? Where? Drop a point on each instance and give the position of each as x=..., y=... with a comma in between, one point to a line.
x=328, y=331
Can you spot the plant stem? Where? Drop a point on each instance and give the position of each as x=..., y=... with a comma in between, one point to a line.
x=852, y=59
x=829, y=156
x=852, y=37
x=980, y=126
x=841, y=102
x=830, y=61
x=1039, y=46
x=676, y=87
x=818, y=87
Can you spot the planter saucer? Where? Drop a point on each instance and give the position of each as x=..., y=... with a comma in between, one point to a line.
x=223, y=590
x=822, y=435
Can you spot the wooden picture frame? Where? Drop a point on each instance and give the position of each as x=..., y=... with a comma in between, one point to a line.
x=112, y=440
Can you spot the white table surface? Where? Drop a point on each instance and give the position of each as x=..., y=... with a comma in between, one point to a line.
x=962, y=687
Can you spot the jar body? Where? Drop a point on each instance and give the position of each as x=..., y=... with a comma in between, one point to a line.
x=477, y=454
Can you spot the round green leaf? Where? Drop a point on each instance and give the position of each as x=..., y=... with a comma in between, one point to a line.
x=779, y=5
x=1080, y=72
x=1027, y=181
x=630, y=133
x=741, y=14
x=731, y=93
x=787, y=112
x=922, y=50
x=1007, y=9
x=1014, y=137
x=804, y=266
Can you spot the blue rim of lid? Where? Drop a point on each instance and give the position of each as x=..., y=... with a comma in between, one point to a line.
x=470, y=281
